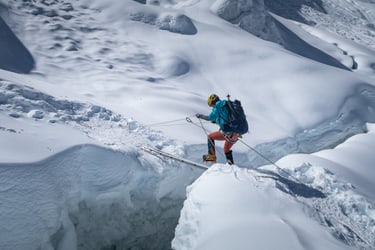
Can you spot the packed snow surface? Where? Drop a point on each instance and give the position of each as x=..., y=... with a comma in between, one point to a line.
x=103, y=78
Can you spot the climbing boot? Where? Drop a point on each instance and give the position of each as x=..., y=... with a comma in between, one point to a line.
x=229, y=157
x=211, y=146
x=209, y=158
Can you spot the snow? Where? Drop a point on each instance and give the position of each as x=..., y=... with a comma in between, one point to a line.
x=247, y=215
x=348, y=158
x=252, y=209
x=103, y=78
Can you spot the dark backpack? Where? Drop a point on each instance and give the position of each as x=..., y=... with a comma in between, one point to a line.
x=237, y=119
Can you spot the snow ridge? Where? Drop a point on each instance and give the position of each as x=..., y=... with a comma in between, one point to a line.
x=348, y=215
x=21, y=101
x=104, y=192
x=104, y=126
x=350, y=121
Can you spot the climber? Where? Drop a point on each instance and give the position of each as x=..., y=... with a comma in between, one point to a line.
x=220, y=115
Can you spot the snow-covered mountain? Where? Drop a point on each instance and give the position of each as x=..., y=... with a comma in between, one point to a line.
x=84, y=84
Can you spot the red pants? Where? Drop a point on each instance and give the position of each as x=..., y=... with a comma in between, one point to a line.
x=230, y=140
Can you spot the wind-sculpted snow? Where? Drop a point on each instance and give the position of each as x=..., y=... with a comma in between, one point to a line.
x=176, y=23
x=249, y=15
x=348, y=215
x=169, y=3
x=22, y=101
x=351, y=19
x=86, y=44
x=291, y=9
x=98, y=123
x=89, y=197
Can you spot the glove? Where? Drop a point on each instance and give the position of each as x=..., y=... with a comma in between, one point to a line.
x=200, y=116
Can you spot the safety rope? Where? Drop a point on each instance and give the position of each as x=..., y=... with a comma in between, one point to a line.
x=268, y=160
x=247, y=145
x=164, y=123
x=170, y=123
x=203, y=128
x=199, y=126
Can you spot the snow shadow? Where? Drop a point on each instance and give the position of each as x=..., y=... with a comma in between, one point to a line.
x=290, y=9
x=295, y=44
x=14, y=56
x=292, y=187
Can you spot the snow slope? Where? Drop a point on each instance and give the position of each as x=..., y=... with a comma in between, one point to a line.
x=261, y=210
x=112, y=76
x=72, y=177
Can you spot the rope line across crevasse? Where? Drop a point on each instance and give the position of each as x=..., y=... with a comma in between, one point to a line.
x=171, y=122
x=250, y=147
